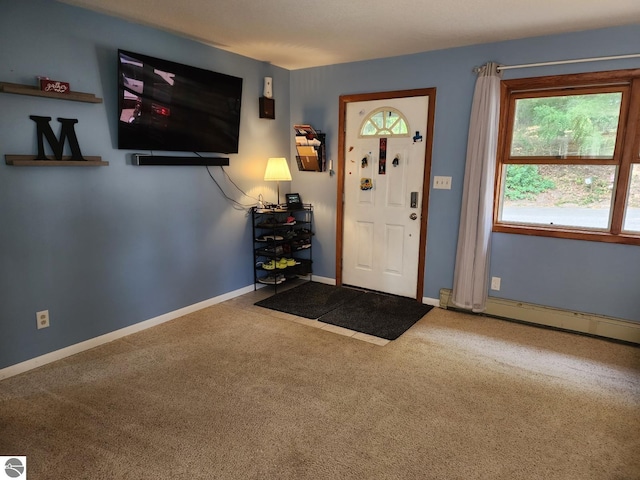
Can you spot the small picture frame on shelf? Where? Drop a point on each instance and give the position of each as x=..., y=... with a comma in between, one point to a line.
x=294, y=202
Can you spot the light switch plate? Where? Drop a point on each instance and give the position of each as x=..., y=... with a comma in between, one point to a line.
x=442, y=183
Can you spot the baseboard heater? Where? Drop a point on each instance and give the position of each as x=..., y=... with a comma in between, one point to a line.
x=145, y=159
x=587, y=323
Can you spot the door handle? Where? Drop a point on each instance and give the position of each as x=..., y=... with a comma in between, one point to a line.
x=413, y=216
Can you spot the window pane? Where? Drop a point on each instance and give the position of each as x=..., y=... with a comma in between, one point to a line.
x=369, y=129
x=570, y=125
x=632, y=212
x=400, y=127
x=378, y=119
x=384, y=122
x=391, y=118
x=560, y=195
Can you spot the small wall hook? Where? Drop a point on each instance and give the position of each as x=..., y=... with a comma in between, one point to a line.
x=396, y=161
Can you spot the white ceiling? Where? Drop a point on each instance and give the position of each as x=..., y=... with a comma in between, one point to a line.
x=296, y=34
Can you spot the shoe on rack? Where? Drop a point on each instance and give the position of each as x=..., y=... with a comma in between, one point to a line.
x=291, y=262
x=266, y=238
x=277, y=249
x=281, y=263
x=270, y=265
x=303, y=243
x=272, y=279
x=290, y=221
x=303, y=233
x=269, y=223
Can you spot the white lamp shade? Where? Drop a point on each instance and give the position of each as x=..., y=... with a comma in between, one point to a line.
x=277, y=170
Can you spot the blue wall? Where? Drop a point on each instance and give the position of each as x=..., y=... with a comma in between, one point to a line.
x=585, y=276
x=106, y=247
x=103, y=248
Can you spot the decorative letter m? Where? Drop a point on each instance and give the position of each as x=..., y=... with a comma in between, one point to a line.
x=66, y=133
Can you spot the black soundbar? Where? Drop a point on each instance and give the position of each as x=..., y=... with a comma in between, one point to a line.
x=144, y=159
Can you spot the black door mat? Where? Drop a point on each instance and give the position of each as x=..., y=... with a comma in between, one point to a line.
x=380, y=315
x=377, y=314
x=310, y=300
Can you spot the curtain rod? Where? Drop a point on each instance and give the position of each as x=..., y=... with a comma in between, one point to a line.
x=562, y=62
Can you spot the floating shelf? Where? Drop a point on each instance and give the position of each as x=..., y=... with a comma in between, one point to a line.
x=36, y=92
x=30, y=161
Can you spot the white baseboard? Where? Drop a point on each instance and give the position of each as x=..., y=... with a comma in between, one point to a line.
x=431, y=301
x=110, y=337
x=326, y=280
x=592, y=324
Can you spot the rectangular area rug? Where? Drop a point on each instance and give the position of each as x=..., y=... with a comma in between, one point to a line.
x=310, y=300
x=377, y=314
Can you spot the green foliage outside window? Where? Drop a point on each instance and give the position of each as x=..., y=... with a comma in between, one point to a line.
x=525, y=182
x=570, y=125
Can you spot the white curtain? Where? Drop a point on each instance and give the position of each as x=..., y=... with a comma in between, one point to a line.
x=470, y=278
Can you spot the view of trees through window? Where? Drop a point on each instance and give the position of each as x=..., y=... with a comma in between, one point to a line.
x=560, y=127
x=566, y=126
x=566, y=153
x=553, y=187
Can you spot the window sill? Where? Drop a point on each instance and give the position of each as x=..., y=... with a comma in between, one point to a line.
x=571, y=234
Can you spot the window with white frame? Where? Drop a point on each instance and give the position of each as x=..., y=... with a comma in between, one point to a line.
x=569, y=157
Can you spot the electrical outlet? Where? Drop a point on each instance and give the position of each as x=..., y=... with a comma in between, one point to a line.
x=495, y=283
x=442, y=183
x=43, y=319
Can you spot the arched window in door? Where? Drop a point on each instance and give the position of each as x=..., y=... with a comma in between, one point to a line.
x=384, y=122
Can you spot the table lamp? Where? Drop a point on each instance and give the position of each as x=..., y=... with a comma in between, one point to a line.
x=277, y=170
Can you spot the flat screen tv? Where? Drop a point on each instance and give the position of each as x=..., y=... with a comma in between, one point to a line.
x=165, y=105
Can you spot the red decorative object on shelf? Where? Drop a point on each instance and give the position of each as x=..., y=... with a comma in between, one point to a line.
x=56, y=86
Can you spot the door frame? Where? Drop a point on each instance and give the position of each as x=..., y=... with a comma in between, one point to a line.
x=424, y=209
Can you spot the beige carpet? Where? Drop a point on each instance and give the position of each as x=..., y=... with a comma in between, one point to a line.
x=240, y=392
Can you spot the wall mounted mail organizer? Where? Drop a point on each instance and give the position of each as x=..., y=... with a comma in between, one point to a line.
x=310, y=149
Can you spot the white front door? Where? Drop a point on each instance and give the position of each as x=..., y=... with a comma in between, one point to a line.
x=383, y=198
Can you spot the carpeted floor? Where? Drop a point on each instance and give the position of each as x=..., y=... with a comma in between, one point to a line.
x=236, y=391
x=380, y=315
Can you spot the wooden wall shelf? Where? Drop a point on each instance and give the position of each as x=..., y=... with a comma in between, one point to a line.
x=30, y=161
x=36, y=92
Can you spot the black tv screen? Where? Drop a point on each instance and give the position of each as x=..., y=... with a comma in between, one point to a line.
x=164, y=105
